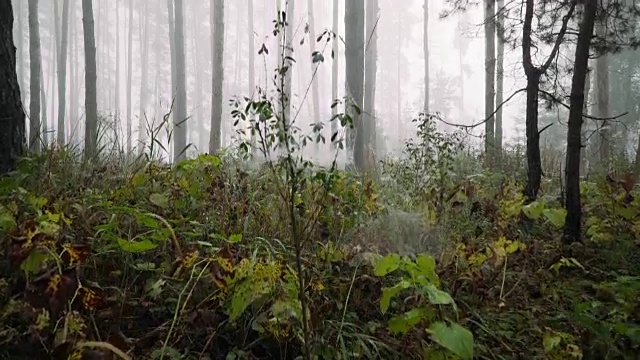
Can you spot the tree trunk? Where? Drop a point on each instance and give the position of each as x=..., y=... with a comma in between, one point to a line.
x=288, y=54
x=19, y=36
x=252, y=56
x=217, y=38
x=354, y=42
x=73, y=77
x=116, y=115
x=12, y=123
x=534, y=73
x=35, y=128
x=572, y=170
x=144, y=68
x=129, y=78
x=199, y=123
x=180, y=116
x=499, y=78
x=583, y=143
x=90, y=82
x=62, y=73
x=314, y=66
x=371, y=58
x=534, y=162
x=603, y=107
x=489, y=79
x=334, y=71
x=425, y=49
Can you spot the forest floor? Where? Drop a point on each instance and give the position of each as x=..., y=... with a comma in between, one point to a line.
x=198, y=262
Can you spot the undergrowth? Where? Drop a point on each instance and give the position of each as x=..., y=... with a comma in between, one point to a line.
x=194, y=261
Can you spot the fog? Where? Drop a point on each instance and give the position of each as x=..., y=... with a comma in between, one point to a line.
x=134, y=35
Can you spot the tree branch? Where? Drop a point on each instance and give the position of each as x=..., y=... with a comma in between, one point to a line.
x=486, y=119
x=558, y=101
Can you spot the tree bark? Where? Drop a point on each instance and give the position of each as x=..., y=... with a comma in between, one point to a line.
x=334, y=70
x=12, y=122
x=534, y=73
x=252, y=56
x=62, y=73
x=217, y=38
x=128, y=133
x=572, y=170
x=35, y=128
x=603, y=107
x=489, y=79
x=144, y=68
x=371, y=58
x=90, y=82
x=354, y=42
x=180, y=116
x=499, y=78
x=425, y=49
x=315, y=79
x=288, y=54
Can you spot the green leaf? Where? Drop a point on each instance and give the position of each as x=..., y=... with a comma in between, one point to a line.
x=401, y=324
x=556, y=216
x=389, y=292
x=136, y=246
x=437, y=296
x=534, y=210
x=31, y=265
x=160, y=200
x=427, y=267
x=386, y=265
x=138, y=179
x=454, y=338
x=7, y=222
x=550, y=341
x=235, y=238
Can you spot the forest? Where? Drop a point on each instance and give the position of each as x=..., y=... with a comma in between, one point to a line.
x=334, y=179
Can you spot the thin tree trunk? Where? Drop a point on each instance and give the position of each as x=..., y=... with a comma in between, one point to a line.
x=20, y=47
x=199, y=122
x=583, y=142
x=354, y=42
x=603, y=107
x=62, y=73
x=36, y=72
x=370, y=66
x=425, y=49
x=334, y=70
x=217, y=49
x=572, y=171
x=288, y=54
x=252, y=56
x=399, y=86
x=314, y=68
x=180, y=117
x=116, y=115
x=499, y=78
x=144, y=48
x=129, y=78
x=489, y=80
x=91, y=76
x=73, y=75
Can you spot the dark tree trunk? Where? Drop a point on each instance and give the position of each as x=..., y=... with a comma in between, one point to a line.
x=12, y=120
x=90, y=81
x=35, y=128
x=534, y=73
x=534, y=163
x=572, y=170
